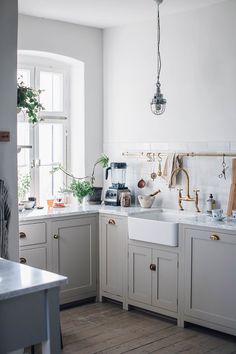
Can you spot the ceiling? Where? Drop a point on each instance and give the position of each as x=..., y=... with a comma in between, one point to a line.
x=105, y=13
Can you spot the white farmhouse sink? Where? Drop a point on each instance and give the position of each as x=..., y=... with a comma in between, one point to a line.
x=155, y=226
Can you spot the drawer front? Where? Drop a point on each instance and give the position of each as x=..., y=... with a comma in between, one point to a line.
x=35, y=257
x=31, y=234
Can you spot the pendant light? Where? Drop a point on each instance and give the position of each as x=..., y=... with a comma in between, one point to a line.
x=158, y=103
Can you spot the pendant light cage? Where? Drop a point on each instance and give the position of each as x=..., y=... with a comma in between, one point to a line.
x=158, y=103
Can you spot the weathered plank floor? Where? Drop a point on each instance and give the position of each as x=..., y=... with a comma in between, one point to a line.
x=106, y=328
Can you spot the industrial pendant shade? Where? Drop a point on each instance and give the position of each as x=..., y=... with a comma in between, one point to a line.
x=158, y=103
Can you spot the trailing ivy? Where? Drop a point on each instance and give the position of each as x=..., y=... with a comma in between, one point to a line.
x=28, y=100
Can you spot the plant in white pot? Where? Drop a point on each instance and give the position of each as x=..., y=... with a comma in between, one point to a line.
x=82, y=187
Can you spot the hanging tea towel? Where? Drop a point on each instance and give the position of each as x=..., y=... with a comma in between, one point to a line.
x=172, y=162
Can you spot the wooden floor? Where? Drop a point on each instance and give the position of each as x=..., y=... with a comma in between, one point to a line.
x=106, y=328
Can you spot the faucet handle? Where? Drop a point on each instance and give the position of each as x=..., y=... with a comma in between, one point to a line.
x=196, y=190
x=180, y=189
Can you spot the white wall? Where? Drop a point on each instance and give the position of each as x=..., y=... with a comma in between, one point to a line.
x=81, y=43
x=198, y=78
x=199, y=82
x=8, y=45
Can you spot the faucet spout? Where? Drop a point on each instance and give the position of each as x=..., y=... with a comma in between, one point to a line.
x=177, y=170
x=187, y=197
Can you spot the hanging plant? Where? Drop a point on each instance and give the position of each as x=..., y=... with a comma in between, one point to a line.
x=28, y=101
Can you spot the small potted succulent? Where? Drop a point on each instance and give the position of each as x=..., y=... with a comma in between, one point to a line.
x=81, y=187
x=28, y=101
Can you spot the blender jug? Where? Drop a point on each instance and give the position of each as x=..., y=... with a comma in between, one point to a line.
x=118, y=174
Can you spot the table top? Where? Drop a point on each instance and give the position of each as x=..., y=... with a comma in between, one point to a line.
x=18, y=279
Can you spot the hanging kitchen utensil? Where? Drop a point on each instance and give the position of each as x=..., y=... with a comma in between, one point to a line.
x=224, y=168
x=159, y=173
x=141, y=183
x=153, y=174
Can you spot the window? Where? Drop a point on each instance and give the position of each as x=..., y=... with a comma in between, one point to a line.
x=44, y=145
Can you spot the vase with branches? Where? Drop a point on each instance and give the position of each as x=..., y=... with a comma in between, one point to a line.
x=81, y=187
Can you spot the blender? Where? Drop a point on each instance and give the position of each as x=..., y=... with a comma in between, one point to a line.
x=118, y=174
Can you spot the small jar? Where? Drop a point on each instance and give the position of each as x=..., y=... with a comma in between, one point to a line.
x=125, y=199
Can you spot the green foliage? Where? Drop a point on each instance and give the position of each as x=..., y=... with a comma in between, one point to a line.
x=23, y=185
x=80, y=189
x=103, y=160
x=28, y=100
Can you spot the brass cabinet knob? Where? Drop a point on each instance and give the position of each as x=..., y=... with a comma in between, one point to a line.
x=23, y=260
x=153, y=266
x=214, y=237
x=22, y=235
x=56, y=236
x=111, y=222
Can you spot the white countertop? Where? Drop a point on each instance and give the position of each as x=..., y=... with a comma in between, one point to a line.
x=18, y=279
x=184, y=217
x=73, y=210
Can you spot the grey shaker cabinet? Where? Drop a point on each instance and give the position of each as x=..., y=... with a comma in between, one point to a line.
x=209, y=271
x=74, y=254
x=153, y=278
x=113, y=257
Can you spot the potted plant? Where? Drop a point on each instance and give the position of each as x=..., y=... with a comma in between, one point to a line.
x=23, y=188
x=28, y=101
x=81, y=187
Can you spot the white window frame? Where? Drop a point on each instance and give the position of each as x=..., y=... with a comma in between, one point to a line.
x=47, y=117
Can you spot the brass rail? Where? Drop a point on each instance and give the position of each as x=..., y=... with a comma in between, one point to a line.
x=153, y=155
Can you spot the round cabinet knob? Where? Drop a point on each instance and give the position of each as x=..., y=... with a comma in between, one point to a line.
x=56, y=236
x=111, y=222
x=22, y=235
x=23, y=260
x=153, y=266
x=214, y=237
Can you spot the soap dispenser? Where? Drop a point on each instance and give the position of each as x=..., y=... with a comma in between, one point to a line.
x=210, y=204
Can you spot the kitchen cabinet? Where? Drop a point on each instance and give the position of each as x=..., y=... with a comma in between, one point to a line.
x=153, y=278
x=113, y=257
x=33, y=244
x=74, y=254
x=209, y=278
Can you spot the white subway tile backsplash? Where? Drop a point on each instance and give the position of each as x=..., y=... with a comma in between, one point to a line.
x=203, y=171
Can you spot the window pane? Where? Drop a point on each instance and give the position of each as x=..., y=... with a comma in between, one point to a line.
x=45, y=143
x=58, y=146
x=23, y=75
x=49, y=183
x=45, y=183
x=23, y=133
x=51, y=143
x=52, y=96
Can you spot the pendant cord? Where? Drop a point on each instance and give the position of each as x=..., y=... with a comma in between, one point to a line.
x=158, y=46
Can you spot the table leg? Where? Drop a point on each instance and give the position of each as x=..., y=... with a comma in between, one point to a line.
x=52, y=344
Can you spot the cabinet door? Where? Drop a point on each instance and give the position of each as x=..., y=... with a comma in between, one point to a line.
x=164, y=280
x=139, y=274
x=34, y=257
x=210, y=280
x=75, y=256
x=113, y=236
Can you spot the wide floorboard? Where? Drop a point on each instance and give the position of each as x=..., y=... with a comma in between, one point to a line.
x=107, y=329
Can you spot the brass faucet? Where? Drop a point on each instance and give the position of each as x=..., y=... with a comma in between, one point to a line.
x=186, y=198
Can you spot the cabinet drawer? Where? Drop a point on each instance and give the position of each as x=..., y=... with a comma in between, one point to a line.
x=35, y=257
x=31, y=234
